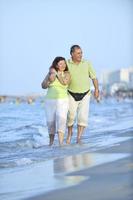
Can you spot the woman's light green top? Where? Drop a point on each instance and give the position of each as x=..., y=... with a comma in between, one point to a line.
x=56, y=90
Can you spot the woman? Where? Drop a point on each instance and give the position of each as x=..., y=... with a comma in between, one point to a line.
x=56, y=102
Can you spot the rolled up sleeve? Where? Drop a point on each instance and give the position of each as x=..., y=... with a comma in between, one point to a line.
x=91, y=71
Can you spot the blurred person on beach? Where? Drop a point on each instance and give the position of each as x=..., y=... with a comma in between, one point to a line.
x=56, y=101
x=81, y=72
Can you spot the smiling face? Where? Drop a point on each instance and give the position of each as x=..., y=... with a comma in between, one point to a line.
x=77, y=55
x=61, y=66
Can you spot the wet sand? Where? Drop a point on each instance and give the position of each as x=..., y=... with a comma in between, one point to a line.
x=111, y=180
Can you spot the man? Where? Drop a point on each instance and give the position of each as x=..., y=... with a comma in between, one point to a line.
x=81, y=72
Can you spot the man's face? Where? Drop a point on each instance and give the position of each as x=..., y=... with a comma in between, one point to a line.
x=77, y=54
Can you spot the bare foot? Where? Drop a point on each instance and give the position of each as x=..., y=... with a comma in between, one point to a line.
x=79, y=141
x=51, y=143
x=68, y=140
x=51, y=139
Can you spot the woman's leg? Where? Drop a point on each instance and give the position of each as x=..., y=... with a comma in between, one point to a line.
x=60, y=137
x=51, y=139
x=51, y=130
x=50, y=110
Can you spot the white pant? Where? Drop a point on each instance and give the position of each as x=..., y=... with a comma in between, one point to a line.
x=56, y=114
x=81, y=108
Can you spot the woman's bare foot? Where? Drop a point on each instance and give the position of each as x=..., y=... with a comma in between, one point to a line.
x=51, y=139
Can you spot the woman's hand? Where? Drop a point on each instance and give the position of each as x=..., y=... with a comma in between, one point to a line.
x=52, y=74
x=52, y=71
x=64, y=77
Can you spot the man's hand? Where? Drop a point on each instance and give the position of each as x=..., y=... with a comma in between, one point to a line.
x=96, y=93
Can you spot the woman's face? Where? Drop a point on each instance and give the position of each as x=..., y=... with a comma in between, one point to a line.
x=61, y=65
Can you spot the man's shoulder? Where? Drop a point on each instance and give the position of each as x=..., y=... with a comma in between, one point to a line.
x=82, y=61
x=69, y=61
x=86, y=61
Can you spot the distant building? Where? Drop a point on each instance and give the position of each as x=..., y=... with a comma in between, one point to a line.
x=115, y=80
x=131, y=80
x=114, y=77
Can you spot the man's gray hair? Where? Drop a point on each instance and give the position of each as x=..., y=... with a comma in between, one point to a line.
x=72, y=49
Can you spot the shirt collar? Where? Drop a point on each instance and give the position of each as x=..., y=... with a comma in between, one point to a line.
x=71, y=61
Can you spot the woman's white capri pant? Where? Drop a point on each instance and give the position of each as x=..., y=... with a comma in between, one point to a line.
x=56, y=114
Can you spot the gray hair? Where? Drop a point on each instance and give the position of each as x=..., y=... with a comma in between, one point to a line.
x=72, y=49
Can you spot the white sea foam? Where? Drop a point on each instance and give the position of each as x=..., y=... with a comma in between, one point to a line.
x=42, y=138
x=23, y=161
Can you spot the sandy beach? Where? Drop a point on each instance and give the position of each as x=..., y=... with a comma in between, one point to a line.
x=111, y=180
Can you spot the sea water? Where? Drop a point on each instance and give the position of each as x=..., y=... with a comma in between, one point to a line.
x=24, y=148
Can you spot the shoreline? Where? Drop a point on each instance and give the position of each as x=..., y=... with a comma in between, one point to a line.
x=106, y=181
x=102, y=174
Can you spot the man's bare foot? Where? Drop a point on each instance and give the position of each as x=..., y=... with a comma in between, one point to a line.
x=68, y=141
x=79, y=141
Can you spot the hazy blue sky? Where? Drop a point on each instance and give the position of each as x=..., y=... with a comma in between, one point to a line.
x=33, y=32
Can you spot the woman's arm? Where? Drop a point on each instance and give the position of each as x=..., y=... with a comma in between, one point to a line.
x=64, y=78
x=49, y=79
x=45, y=84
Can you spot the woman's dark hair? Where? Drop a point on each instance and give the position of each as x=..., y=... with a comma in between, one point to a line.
x=72, y=49
x=55, y=62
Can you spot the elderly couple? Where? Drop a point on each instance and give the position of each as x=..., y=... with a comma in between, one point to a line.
x=68, y=95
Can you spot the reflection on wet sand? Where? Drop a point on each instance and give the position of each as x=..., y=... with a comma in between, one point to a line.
x=82, y=161
x=50, y=175
x=71, y=180
x=72, y=163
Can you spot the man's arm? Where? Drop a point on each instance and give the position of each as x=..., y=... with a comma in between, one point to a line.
x=96, y=86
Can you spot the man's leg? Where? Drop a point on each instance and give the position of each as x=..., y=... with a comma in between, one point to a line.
x=71, y=117
x=70, y=131
x=83, y=112
x=80, y=132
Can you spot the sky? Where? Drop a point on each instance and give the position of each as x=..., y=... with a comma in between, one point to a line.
x=34, y=32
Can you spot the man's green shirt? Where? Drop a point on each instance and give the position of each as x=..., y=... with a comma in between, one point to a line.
x=80, y=76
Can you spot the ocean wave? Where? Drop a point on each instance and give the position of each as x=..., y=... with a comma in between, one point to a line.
x=16, y=163
x=24, y=140
x=23, y=161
